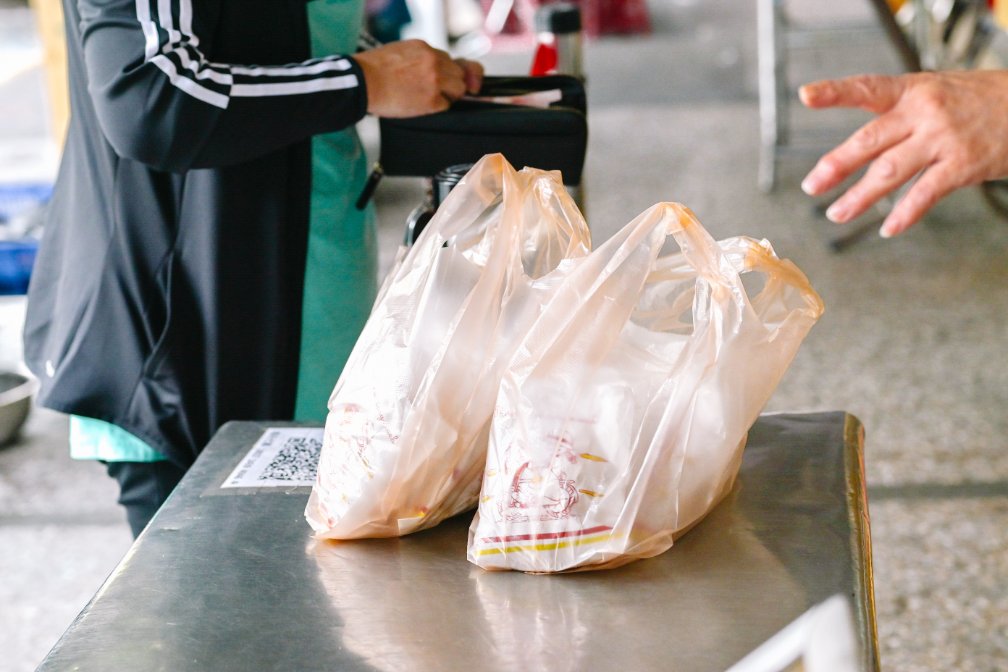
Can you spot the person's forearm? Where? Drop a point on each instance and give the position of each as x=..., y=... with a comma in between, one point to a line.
x=161, y=101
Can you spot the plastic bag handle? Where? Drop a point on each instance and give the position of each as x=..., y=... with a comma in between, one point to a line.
x=714, y=262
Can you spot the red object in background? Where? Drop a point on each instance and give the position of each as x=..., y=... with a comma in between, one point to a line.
x=624, y=17
x=544, y=62
x=600, y=17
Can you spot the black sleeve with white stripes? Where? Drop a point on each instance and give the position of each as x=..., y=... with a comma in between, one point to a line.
x=161, y=101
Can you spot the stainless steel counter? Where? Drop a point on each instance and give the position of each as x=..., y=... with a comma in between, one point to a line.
x=231, y=579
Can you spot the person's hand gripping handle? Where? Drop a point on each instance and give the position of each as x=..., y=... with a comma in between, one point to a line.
x=411, y=78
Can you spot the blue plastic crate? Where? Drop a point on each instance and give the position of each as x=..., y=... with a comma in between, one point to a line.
x=16, y=260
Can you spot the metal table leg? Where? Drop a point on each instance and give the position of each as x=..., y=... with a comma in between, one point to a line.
x=772, y=88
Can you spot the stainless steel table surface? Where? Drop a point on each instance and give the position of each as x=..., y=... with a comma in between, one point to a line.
x=233, y=580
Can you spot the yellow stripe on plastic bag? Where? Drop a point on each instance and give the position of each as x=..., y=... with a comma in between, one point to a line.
x=582, y=541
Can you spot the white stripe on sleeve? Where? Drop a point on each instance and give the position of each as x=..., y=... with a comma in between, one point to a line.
x=174, y=50
x=189, y=86
x=291, y=88
x=301, y=70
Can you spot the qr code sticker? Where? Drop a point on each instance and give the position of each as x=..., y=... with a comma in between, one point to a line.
x=297, y=460
x=282, y=457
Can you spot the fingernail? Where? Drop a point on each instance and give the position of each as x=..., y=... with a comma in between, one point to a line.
x=890, y=227
x=810, y=185
x=837, y=212
x=817, y=177
x=816, y=94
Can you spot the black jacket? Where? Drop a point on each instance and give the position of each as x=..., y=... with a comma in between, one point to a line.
x=166, y=296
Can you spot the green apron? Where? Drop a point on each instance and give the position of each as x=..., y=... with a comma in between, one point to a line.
x=341, y=277
x=340, y=272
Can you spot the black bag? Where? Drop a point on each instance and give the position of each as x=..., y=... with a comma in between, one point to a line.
x=550, y=138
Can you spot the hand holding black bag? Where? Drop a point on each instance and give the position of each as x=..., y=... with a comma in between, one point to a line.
x=539, y=122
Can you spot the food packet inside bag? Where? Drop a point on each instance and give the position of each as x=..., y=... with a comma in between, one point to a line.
x=405, y=438
x=622, y=417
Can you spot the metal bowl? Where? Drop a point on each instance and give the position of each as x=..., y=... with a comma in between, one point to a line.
x=15, y=401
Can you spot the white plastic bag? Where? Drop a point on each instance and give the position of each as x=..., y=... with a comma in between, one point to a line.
x=405, y=439
x=622, y=417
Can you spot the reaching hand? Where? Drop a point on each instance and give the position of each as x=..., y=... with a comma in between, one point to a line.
x=951, y=127
x=410, y=78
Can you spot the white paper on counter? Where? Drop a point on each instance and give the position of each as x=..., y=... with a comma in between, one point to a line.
x=282, y=457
